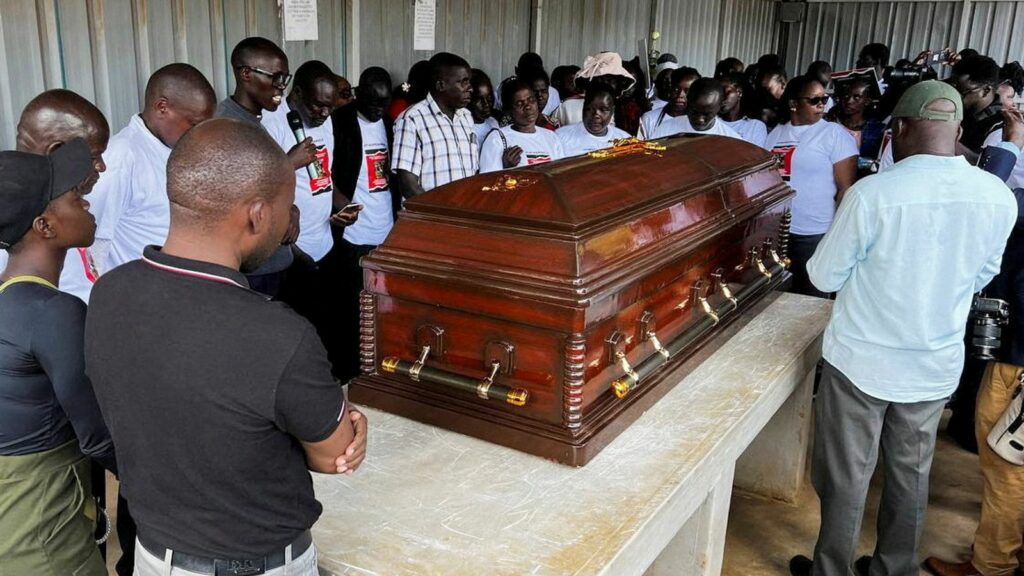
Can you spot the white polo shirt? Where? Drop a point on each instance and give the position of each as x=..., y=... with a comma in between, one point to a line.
x=130, y=198
x=312, y=195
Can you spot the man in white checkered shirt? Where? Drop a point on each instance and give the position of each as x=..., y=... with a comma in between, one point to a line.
x=434, y=139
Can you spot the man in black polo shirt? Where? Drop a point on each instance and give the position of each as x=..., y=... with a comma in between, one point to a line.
x=217, y=421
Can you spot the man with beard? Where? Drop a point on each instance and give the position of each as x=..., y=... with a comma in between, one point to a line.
x=217, y=423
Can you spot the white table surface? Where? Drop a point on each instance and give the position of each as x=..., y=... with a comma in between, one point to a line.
x=429, y=501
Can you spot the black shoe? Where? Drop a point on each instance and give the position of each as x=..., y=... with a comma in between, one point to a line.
x=862, y=565
x=800, y=565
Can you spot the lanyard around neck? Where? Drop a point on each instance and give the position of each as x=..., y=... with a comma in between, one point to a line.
x=30, y=279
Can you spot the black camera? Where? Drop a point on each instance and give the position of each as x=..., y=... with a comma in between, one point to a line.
x=988, y=316
x=910, y=74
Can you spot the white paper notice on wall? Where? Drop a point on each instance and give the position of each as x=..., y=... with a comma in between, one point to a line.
x=423, y=27
x=300, y=21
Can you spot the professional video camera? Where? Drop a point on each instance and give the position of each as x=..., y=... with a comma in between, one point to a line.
x=910, y=74
x=987, y=318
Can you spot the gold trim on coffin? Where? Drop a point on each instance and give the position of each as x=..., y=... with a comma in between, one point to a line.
x=625, y=146
x=508, y=183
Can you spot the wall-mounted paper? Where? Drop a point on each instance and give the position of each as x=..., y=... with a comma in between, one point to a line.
x=300, y=21
x=425, y=21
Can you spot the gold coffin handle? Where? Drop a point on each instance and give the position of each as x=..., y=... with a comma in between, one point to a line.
x=485, y=389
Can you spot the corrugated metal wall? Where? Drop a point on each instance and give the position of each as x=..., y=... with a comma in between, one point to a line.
x=571, y=30
x=749, y=29
x=991, y=30
x=690, y=29
x=835, y=31
x=490, y=35
x=106, y=49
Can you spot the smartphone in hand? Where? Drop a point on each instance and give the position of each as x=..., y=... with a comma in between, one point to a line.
x=350, y=208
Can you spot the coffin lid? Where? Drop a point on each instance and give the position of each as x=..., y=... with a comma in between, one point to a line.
x=576, y=195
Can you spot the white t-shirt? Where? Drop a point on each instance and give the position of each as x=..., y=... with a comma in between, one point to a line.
x=538, y=147
x=130, y=197
x=576, y=140
x=649, y=122
x=313, y=196
x=1016, y=179
x=373, y=190
x=749, y=129
x=483, y=128
x=658, y=104
x=681, y=125
x=808, y=153
x=570, y=112
x=886, y=160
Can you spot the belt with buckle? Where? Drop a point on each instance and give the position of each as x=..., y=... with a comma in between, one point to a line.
x=229, y=566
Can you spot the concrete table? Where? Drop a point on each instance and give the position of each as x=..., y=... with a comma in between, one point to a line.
x=655, y=501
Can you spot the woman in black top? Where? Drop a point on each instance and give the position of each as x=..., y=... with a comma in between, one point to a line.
x=50, y=422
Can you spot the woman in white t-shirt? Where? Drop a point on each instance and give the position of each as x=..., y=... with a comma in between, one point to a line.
x=669, y=119
x=737, y=99
x=595, y=131
x=522, y=143
x=481, y=105
x=819, y=160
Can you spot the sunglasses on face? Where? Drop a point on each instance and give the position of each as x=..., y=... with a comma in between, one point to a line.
x=279, y=79
x=814, y=100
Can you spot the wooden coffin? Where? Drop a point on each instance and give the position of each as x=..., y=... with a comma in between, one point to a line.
x=537, y=307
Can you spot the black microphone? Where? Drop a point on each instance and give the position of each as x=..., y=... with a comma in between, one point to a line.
x=295, y=123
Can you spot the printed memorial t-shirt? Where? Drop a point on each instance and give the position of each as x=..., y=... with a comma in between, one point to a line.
x=807, y=154
x=538, y=147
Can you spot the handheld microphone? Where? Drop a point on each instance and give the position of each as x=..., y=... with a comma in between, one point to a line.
x=295, y=123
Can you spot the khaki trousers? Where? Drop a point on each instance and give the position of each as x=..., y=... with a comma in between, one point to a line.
x=47, y=515
x=997, y=543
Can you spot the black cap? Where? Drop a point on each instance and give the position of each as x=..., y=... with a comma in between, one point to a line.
x=28, y=182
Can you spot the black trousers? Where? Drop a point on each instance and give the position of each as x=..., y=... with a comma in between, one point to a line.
x=801, y=248
x=347, y=354
x=126, y=533
x=321, y=292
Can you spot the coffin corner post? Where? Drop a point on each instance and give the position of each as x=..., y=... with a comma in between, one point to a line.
x=574, y=376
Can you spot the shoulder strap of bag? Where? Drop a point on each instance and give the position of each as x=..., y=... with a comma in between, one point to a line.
x=504, y=141
x=31, y=279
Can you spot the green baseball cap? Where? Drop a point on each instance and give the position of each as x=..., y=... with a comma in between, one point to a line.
x=915, y=101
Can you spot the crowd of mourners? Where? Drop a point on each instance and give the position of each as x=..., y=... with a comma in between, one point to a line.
x=179, y=301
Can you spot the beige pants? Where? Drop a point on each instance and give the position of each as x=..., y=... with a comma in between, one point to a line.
x=997, y=543
x=147, y=564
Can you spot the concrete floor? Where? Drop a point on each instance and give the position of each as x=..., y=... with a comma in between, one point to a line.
x=763, y=535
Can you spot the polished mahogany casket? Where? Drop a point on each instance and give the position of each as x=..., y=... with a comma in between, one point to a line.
x=540, y=308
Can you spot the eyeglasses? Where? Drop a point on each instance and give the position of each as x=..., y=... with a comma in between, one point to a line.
x=815, y=100
x=279, y=79
x=964, y=91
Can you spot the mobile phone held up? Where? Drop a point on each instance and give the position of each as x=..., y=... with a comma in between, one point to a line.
x=350, y=208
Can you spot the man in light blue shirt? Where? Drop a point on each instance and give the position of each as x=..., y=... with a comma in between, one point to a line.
x=907, y=250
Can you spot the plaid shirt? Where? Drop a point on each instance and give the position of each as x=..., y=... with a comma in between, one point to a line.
x=434, y=147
